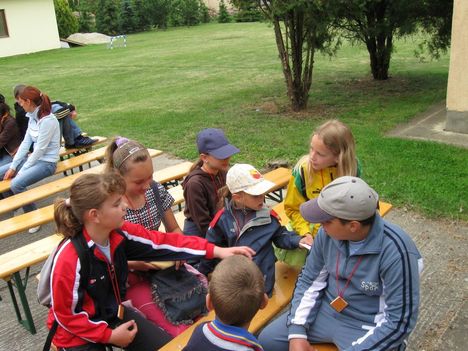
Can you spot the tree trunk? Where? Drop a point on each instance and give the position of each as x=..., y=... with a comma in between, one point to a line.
x=297, y=73
x=380, y=42
x=380, y=52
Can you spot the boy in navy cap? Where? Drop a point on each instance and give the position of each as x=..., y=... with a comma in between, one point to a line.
x=359, y=288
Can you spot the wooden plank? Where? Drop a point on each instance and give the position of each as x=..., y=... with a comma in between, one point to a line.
x=70, y=163
x=25, y=221
x=65, y=152
x=43, y=191
x=177, y=193
x=279, y=176
x=384, y=208
x=26, y=256
x=172, y=173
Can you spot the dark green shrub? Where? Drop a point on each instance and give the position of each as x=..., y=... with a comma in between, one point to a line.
x=67, y=23
x=248, y=12
x=107, y=17
x=223, y=15
x=204, y=12
x=184, y=13
x=127, y=17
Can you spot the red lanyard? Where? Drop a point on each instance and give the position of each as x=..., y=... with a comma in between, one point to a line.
x=115, y=284
x=140, y=220
x=341, y=292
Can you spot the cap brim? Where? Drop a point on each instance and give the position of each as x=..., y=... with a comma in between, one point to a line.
x=312, y=213
x=260, y=188
x=224, y=152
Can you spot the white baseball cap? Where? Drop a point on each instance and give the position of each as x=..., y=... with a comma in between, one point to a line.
x=243, y=177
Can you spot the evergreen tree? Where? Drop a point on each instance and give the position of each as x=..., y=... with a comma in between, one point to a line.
x=67, y=23
x=223, y=15
x=127, y=18
x=107, y=17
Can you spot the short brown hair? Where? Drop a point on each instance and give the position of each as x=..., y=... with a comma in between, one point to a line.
x=236, y=290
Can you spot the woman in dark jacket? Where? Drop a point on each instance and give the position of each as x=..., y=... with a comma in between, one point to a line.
x=10, y=137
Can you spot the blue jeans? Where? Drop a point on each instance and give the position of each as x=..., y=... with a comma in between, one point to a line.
x=5, y=159
x=26, y=177
x=69, y=130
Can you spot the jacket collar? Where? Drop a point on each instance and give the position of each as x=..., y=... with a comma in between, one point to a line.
x=261, y=217
x=233, y=334
x=114, y=239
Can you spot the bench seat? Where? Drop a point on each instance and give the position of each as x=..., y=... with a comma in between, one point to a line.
x=68, y=164
x=43, y=191
x=64, y=152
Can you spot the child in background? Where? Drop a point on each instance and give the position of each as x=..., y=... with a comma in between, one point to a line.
x=245, y=220
x=204, y=180
x=236, y=293
x=332, y=154
x=92, y=316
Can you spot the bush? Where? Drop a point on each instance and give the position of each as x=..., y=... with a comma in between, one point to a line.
x=223, y=16
x=107, y=17
x=127, y=18
x=86, y=23
x=204, y=12
x=158, y=11
x=184, y=13
x=248, y=12
x=67, y=23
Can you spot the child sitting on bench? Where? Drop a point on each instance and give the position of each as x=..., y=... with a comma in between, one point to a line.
x=236, y=293
x=245, y=220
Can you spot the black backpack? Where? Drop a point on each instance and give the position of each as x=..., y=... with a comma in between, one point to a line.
x=82, y=251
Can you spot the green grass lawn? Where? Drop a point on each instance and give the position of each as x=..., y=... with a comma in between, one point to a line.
x=166, y=86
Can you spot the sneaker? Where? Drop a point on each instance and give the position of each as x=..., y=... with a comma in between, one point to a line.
x=34, y=229
x=69, y=146
x=83, y=141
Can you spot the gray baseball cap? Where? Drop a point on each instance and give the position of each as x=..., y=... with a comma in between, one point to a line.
x=346, y=197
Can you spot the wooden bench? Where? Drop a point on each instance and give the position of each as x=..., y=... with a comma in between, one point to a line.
x=46, y=214
x=68, y=164
x=65, y=153
x=171, y=175
x=280, y=176
x=43, y=191
x=11, y=263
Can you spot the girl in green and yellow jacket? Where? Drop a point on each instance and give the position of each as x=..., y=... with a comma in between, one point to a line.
x=331, y=155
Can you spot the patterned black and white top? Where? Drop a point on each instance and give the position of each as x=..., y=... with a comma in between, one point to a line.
x=140, y=215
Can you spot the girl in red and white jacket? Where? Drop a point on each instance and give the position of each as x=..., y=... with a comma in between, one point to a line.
x=92, y=316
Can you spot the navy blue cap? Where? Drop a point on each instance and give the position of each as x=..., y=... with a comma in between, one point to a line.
x=212, y=141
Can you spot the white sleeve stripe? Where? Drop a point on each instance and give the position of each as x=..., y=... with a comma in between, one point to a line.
x=169, y=247
x=297, y=336
x=310, y=298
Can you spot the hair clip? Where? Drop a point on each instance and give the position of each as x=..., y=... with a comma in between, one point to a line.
x=121, y=141
x=67, y=202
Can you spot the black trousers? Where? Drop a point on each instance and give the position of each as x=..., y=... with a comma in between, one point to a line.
x=148, y=338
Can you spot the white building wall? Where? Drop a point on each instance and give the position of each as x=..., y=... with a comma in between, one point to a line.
x=31, y=26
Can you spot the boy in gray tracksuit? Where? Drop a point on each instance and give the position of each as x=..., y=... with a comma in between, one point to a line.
x=359, y=288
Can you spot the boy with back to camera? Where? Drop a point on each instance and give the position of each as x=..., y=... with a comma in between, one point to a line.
x=236, y=293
